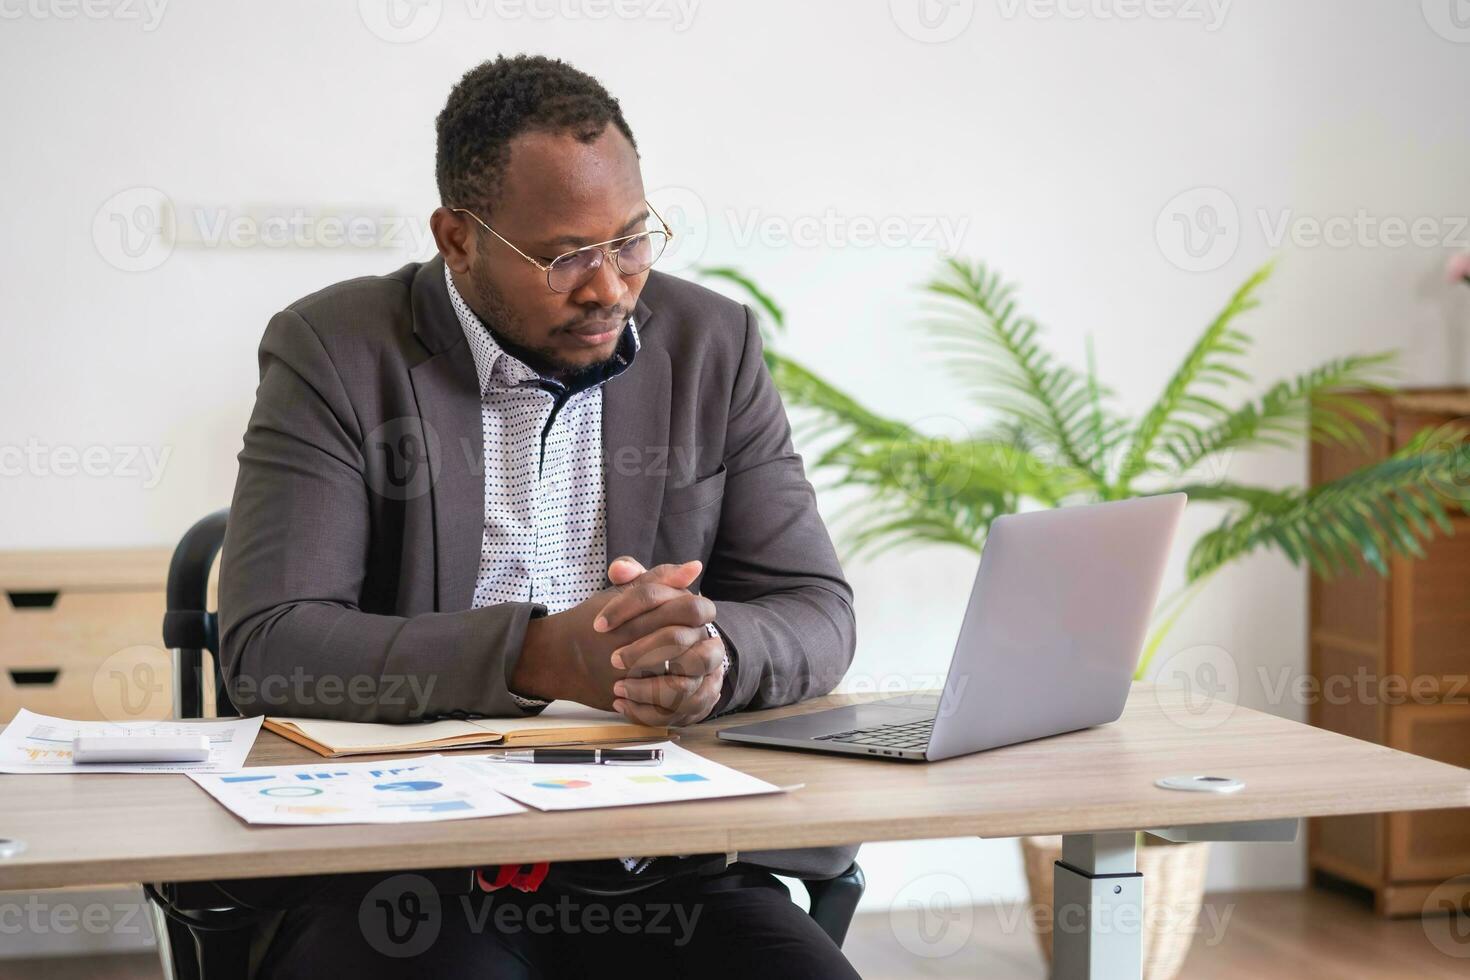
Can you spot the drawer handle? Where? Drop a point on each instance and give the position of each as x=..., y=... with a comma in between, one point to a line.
x=34, y=678
x=32, y=600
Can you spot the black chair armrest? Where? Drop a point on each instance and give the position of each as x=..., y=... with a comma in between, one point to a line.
x=834, y=901
x=189, y=628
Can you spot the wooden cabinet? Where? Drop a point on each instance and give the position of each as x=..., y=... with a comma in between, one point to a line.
x=1390, y=658
x=80, y=634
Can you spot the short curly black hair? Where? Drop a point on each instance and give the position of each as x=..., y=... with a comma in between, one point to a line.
x=497, y=101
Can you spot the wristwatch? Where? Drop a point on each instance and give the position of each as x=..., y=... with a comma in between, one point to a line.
x=715, y=635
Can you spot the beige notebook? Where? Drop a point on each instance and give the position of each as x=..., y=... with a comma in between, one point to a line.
x=561, y=723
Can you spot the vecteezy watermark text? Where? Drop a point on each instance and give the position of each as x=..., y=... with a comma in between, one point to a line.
x=402, y=916
x=148, y=13
x=300, y=688
x=45, y=460
x=1201, y=229
x=407, y=21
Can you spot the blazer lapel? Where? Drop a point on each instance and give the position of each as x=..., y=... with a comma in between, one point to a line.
x=448, y=395
x=635, y=446
x=449, y=402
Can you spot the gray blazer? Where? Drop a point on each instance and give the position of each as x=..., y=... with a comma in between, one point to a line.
x=354, y=536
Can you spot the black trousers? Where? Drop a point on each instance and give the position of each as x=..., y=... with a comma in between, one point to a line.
x=739, y=924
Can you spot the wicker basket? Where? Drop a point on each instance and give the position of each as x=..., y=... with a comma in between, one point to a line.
x=1173, y=889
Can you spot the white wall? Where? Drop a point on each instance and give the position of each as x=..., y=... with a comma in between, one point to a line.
x=1054, y=138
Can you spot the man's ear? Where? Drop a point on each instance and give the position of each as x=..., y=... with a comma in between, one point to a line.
x=455, y=238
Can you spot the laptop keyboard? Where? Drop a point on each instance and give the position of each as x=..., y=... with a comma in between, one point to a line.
x=902, y=735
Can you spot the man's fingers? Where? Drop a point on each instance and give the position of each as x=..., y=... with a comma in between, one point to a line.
x=642, y=714
x=690, y=708
x=666, y=691
x=672, y=640
x=647, y=591
x=703, y=654
x=624, y=570
x=679, y=576
x=684, y=609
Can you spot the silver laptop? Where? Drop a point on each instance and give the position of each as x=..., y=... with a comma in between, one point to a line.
x=1056, y=620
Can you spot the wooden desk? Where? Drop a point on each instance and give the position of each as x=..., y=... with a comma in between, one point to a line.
x=1092, y=785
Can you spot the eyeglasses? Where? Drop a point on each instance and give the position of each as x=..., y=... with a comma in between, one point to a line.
x=631, y=254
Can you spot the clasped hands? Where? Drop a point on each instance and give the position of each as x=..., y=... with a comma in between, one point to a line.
x=639, y=648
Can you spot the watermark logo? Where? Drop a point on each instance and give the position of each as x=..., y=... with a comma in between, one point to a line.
x=402, y=458
x=44, y=460
x=1447, y=457
x=932, y=21
x=134, y=684
x=1361, y=687
x=45, y=913
x=401, y=916
x=1363, y=229
x=1199, y=230
x=688, y=219
x=299, y=691
x=407, y=21
x=1450, y=19
x=138, y=229
x=933, y=916
x=400, y=21
x=677, y=13
x=134, y=229
x=147, y=13
x=1446, y=918
x=833, y=229
x=1210, y=13
x=1198, y=687
x=935, y=461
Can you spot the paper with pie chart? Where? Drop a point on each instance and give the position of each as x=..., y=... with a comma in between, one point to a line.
x=421, y=790
x=682, y=776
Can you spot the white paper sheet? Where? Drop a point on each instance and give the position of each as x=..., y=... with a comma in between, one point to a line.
x=420, y=790
x=34, y=743
x=682, y=776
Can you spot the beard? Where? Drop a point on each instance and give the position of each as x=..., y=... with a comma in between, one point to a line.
x=512, y=334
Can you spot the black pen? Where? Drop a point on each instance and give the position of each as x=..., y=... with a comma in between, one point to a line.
x=595, y=757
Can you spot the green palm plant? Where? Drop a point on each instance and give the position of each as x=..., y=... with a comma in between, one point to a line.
x=1057, y=438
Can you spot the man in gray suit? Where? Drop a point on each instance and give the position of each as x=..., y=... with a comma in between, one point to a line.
x=440, y=464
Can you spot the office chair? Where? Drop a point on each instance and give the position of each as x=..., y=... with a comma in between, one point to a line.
x=202, y=933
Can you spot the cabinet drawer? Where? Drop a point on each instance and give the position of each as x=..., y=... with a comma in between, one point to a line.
x=1351, y=609
x=1432, y=599
x=1431, y=845
x=85, y=655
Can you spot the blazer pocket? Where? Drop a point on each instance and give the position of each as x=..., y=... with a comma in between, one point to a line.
x=697, y=495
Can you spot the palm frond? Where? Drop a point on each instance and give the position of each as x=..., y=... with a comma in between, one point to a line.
x=1319, y=404
x=996, y=352
x=1366, y=517
x=935, y=468
x=878, y=526
x=803, y=388
x=1183, y=408
x=1263, y=499
x=950, y=488
x=747, y=285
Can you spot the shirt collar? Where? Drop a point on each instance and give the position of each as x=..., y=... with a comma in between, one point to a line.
x=493, y=364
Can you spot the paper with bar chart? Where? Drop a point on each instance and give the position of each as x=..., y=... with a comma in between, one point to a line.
x=423, y=790
x=682, y=776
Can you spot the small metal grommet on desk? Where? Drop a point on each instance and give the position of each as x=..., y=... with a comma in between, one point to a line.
x=10, y=847
x=1201, y=784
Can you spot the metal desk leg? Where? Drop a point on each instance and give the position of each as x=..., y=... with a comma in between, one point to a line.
x=1097, y=915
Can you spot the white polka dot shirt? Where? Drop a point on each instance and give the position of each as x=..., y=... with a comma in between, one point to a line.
x=545, y=536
